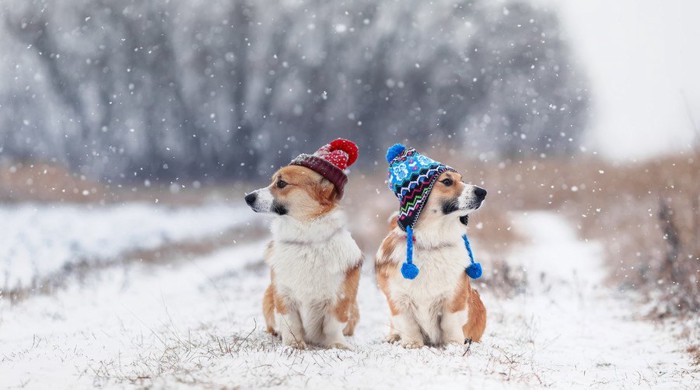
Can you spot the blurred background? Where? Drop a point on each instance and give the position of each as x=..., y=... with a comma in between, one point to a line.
x=118, y=112
x=232, y=89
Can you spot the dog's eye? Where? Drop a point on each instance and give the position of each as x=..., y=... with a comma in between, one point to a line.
x=447, y=182
x=281, y=184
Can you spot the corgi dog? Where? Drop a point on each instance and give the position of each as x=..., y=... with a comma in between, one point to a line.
x=315, y=263
x=438, y=306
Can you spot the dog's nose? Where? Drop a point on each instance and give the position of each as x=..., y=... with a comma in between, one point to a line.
x=250, y=198
x=480, y=193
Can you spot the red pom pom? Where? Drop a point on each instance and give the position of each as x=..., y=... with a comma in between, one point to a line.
x=346, y=146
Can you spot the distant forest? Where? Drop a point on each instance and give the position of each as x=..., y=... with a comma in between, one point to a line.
x=228, y=89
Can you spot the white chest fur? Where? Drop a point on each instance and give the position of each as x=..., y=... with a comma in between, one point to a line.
x=441, y=268
x=441, y=258
x=310, y=259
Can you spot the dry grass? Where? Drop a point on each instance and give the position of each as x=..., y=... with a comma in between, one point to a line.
x=45, y=182
x=205, y=357
x=50, y=182
x=650, y=224
x=182, y=358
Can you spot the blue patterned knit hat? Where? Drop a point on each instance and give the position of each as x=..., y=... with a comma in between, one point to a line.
x=411, y=178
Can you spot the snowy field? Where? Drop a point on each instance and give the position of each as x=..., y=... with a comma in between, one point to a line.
x=199, y=324
x=39, y=240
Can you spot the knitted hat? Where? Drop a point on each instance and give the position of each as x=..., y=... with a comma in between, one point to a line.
x=411, y=178
x=330, y=160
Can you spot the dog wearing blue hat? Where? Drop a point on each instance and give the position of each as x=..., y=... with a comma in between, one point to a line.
x=425, y=263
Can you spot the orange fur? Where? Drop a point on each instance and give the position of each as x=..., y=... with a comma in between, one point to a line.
x=269, y=309
x=468, y=298
x=280, y=306
x=269, y=297
x=476, y=324
x=459, y=300
x=311, y=194
x=385, y=269
x=349, y=329
x=346, y=309
x=384, y=273
x=433, y=206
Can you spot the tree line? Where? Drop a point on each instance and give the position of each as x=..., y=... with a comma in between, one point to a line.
x=125, y=89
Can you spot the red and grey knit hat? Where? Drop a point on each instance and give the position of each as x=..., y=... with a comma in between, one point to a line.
x=330, y=161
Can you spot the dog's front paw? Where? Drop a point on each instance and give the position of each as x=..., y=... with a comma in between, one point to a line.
x=296, y=344
x=392, y=338
x=411, y=344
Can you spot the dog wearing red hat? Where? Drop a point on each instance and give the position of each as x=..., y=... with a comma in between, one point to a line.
x=315, y=263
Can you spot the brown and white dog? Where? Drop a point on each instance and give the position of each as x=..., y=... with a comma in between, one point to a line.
x=315, y=263
x=439, y=306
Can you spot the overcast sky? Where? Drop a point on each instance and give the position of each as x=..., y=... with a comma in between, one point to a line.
x=642, y=56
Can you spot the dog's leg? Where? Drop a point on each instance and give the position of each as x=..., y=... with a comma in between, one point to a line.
x=384, y=271
x=313, y=318
x=454, y=313
x=289, y=325
x=333, y=332
x=345, y=309
x=353, y=318
x=465, y=299
x=476, y=324
x=269, y=309
x=292, y=330
x=393, y=334
x=428, y=318
x=451, y=325
x=406, y=326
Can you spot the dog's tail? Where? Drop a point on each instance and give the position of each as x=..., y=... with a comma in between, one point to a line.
x=476, y=324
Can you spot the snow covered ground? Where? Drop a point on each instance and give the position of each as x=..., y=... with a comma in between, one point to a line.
x=39, y=240
x=200, y=324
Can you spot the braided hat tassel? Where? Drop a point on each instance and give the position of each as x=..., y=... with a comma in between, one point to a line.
x=408, y=269
x=474, y=269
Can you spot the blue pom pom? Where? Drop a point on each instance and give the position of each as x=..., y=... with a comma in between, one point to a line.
x=474, y=270
x=409, y=270
x=394, y=151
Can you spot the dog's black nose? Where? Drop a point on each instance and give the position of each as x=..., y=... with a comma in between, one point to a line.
x=480, y=193
x=250, y=198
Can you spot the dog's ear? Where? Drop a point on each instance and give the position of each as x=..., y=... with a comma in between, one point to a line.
x=393, y=220
x=325, y=192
